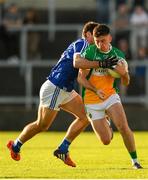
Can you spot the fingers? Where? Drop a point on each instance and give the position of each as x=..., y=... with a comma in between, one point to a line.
x=109, y=62
x=102, y=97
x=113, y=58
x=101, y=94
x=114, y=63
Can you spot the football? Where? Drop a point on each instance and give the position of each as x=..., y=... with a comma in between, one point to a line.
x=113, y=73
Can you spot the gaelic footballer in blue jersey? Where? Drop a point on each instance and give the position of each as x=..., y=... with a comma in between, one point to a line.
x=57, y=92
x=63, y=73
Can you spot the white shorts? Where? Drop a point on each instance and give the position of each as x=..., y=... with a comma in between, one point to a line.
x=52, y=96
x=97, y=111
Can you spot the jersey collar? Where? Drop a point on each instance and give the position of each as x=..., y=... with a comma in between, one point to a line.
x=110, y=48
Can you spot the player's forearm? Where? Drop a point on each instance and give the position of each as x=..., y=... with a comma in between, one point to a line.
x=125, y=79
x=86, y=84
x=82, y=63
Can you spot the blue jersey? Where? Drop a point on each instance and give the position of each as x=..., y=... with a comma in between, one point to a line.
x=63, y=74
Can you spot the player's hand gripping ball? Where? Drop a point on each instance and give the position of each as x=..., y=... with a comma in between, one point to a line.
x=113, y=72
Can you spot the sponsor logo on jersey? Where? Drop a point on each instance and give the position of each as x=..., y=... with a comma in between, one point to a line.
x=100, y=72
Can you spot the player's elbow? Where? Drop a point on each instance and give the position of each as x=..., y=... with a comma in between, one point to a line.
x=127, y=82
x=80, y=78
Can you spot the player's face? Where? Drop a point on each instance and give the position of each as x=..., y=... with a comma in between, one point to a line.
x=103, y=42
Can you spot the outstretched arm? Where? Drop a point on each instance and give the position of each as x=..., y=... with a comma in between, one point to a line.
x=83, y=63
x=80, y=62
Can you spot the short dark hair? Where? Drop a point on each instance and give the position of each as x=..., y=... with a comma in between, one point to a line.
x=89, y=27
x=101, y=30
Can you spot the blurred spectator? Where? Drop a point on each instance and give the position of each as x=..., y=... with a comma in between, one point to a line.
x=123, y=45
x=121, y=22
x=142, y=53
x=139, y=2
x=138, y=20
x=140, y=71
x=32, y=18
x=12, y=19
x=119, y=2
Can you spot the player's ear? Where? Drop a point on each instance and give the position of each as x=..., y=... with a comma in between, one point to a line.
x=110, y=38
x=88, y=34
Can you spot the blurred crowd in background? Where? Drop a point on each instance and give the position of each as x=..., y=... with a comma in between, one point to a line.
x=13, y=17
x=129, y=27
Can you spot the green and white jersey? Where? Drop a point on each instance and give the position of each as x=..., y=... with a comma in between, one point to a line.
x=100, y=77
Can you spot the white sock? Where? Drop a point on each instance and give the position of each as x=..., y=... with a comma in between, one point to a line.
x=134, y=161
x=16, y=141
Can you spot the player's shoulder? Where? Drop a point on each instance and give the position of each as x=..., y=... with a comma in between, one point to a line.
x=91, y=47
x=81, y=40
x=118, y=52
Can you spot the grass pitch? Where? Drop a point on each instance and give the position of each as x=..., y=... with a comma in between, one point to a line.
x=94, y=160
